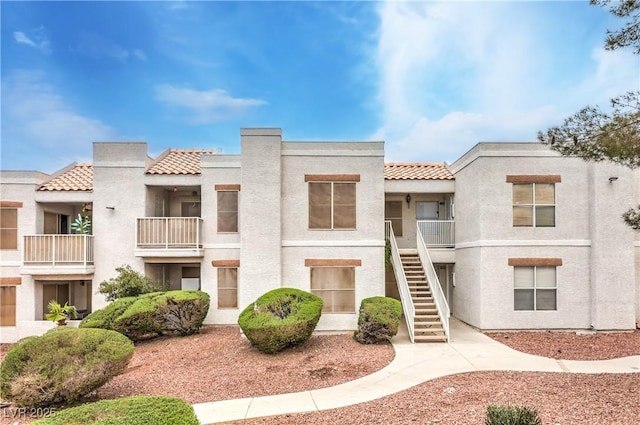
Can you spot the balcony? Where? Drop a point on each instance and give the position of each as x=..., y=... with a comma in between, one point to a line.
x=169, y=237
x=57, y=254
x=439, y=237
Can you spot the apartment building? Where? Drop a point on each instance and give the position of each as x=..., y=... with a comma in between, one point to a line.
x=509, y=236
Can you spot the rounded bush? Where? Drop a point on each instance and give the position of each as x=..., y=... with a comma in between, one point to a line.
x=378, y=320
x=105, y=317
x=154, y=314
x=62, y=365
x=138, y=410
x=281, y=318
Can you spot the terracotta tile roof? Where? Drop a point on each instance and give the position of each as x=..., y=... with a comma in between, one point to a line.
x=179, y=161
x=416, y=171
x=78, y=177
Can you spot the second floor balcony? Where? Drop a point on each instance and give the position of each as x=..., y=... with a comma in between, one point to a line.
x=57, y=254
x=169, y=237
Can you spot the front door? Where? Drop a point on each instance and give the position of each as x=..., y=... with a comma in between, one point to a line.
x=427, y=210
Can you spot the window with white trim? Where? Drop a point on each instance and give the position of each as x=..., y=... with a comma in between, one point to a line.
x=337, y=288
x=534, y=288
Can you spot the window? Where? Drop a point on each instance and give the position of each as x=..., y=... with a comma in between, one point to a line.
x=534, y=205
x=534, y=200
x=7, y=305
x=337, y=288
x=227, y=287
x=535, y=288
x=332, y=205
x=228, y=211
x=393, y=213
x=8, y=228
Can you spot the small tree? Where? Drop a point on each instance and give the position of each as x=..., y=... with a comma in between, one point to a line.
x=128, y=283
x=612, y=135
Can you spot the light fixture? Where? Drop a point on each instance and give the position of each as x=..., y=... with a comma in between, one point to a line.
x=110, y=208
x=175, y=189
x=408, y=199
x=612, y=179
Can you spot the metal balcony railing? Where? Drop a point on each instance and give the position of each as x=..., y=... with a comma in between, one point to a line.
x=437, y=233
x=57, y=250
x=168, y=233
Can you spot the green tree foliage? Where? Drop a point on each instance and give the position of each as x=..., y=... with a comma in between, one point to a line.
x=629, y=34
x=128, y=283
x=594, y=134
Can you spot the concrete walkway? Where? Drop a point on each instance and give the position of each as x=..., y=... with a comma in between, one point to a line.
x=467, y=351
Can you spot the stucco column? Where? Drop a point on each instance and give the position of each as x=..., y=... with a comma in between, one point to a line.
x=260, y=213
x=612, y=251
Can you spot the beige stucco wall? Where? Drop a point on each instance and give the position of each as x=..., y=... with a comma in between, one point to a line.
x=596, y=283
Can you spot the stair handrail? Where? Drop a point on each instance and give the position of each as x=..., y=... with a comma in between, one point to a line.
x=401, y=279
x=432, y=277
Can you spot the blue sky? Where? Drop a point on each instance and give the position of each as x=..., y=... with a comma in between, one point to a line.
x=431, y=79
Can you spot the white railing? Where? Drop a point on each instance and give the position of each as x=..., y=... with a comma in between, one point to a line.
x=57, y=250
x=168, y=232
x=438, y=232
x=403, y=287
x=438, y=295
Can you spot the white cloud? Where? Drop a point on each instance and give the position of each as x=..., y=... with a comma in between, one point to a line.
x=42, y=120
x=454, y=74
x=138, y=53
x=205, y=106
x=96, y=46
x=37, y=39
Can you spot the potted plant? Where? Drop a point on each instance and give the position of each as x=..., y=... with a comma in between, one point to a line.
x=60, y=314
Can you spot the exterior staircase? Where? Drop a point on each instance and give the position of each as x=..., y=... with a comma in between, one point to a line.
x=427, y=324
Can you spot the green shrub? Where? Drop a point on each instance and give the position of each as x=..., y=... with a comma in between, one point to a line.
x=378, y=320
x=105, y=317
x=142, y=320
x=511, y=415
x=139, y=410
x=281, y=318
x=153, y=314
x=128, y=283
x=183, y=312
x=62, y=365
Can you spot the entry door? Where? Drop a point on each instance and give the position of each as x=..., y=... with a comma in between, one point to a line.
x=426, y=210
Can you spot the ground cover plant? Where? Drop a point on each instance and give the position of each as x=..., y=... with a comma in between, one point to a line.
x=142, y=410
x=62, y=366
x=284, y=317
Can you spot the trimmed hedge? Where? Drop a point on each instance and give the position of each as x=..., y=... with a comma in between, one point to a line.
x=151, y=315
x=281, y=318
x=511, y=415
x=62, y=366
x=378, y=320
x=138, y=410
